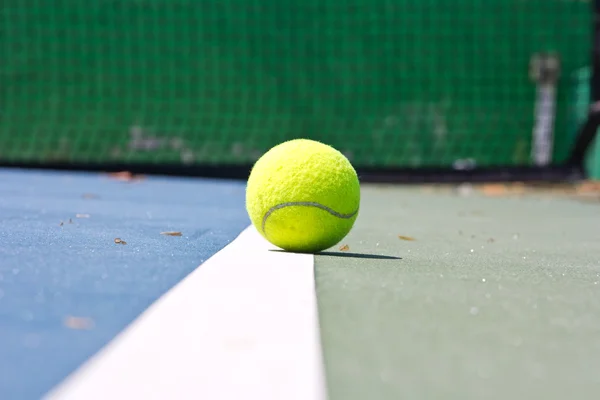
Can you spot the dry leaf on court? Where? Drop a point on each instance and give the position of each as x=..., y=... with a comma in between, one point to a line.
x=345, y=248
x=588, y=187
x=125, y=176
x=494, y=189
x=406, y=238
x=78, y=323
x=171, y=233
x=119, y=241
x=503, y=189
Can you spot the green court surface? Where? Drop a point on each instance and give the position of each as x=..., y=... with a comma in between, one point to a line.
x=496, y=298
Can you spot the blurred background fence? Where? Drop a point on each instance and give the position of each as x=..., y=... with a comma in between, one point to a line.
x=391, y=83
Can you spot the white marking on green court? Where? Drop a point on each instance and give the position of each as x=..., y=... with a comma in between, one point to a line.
x=244, y=325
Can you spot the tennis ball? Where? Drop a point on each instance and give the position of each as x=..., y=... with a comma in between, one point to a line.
x=303, y=196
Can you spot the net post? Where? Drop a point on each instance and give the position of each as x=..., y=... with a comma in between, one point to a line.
x=544, y=71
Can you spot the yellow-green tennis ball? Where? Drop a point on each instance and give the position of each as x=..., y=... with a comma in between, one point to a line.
x=303, y=196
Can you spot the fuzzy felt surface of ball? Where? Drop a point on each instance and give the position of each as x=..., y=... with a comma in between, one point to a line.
x=303, y=196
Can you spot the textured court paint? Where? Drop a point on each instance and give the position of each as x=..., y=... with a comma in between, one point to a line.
x=304, y=204
x=49, y=272
x=461, y=316
x=237, y=328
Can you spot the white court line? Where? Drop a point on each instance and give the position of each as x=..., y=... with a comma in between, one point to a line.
x=244, y=325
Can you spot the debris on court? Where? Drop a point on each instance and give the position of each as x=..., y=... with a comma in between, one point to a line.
x=589, y=189
x=586, y=190
x=120, y=241
x=125, y=176
x=79, y=323
x=345, y=248
x=174, y=233
x=498, y=189
x=408, y=238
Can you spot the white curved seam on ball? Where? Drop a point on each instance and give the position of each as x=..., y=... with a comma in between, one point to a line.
x=305, y=204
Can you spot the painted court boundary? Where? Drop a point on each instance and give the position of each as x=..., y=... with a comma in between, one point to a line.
x=243, y=325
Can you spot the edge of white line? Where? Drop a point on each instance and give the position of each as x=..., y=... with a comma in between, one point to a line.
x=242, y=325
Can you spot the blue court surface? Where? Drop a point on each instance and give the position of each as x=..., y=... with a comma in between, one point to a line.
x=66, y=287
